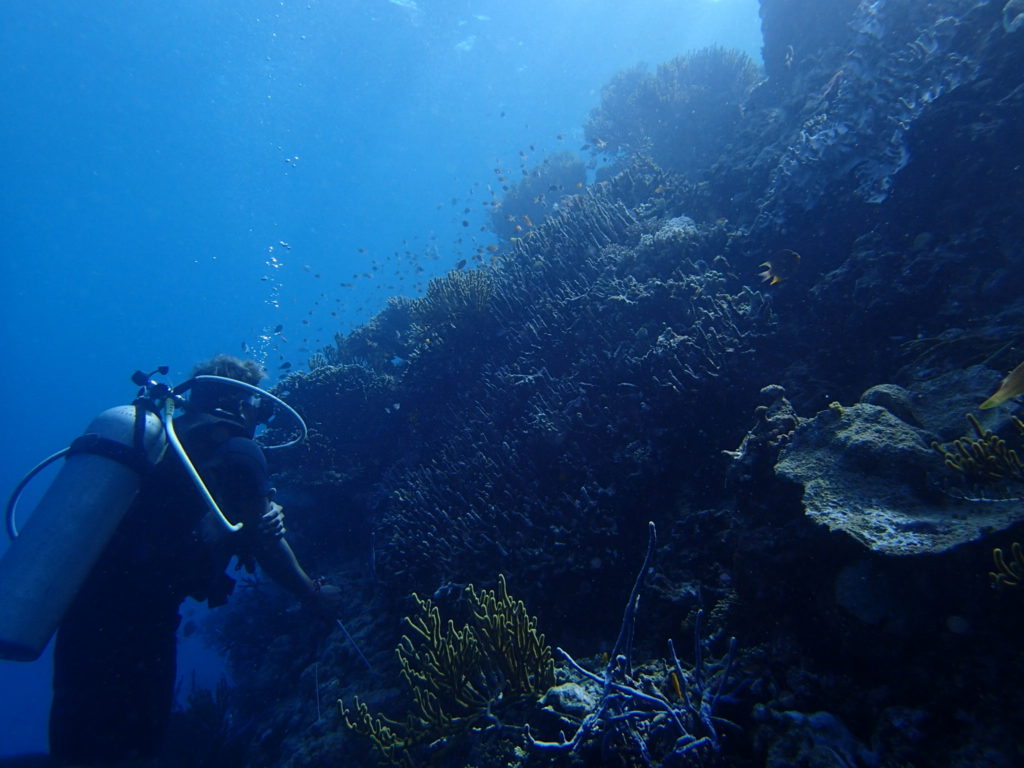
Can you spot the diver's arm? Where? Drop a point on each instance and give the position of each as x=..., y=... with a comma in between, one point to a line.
x=278, y=560
x=243, y=491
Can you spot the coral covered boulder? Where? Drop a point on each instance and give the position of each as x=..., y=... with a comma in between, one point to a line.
x=867, y=473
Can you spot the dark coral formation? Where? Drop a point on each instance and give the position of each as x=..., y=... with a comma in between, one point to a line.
x=534, y=413
x=527, y=202
x=636, y=719
x=524, y=407
x=666, y=114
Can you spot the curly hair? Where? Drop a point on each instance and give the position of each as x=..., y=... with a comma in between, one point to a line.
x=231, y=367
x=207, y=396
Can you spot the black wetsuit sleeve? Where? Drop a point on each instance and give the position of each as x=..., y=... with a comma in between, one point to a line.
x=245, y=490
x=242, y=482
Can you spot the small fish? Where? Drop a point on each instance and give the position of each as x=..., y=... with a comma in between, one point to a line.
x=284, y=366
x=780, y=268
x=278, y=328
x=1011, y=386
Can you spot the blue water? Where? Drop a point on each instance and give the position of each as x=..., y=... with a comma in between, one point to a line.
x=181, y=178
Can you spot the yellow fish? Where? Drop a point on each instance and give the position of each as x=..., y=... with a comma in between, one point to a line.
x=1011, y=386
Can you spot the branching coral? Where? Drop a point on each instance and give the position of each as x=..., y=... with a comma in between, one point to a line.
x=452, y=323
x=450, y=678
x=459, y=677
x=988, y=459
x=1008, y=573
x=510, y=634
x=684, y=116
x=638, y=718
x=538, y=194
x=391, y=747
x=457, y=297
x=985, y=458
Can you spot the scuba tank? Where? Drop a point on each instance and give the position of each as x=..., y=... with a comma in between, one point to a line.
x=46, y=564
x=44, y=567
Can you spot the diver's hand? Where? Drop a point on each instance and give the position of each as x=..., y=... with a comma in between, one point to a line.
x=326, y=601
x=272, y=522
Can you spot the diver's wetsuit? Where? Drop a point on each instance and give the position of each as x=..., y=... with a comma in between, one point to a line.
x=115, y=656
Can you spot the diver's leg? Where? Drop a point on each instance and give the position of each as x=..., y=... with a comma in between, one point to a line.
x=114, y=672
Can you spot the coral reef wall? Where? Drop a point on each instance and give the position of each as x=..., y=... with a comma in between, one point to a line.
x=530, y=415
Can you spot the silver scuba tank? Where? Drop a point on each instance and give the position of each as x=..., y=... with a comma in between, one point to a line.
x=44, y=567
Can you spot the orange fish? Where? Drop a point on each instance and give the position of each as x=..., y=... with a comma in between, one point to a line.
x=1011, y=386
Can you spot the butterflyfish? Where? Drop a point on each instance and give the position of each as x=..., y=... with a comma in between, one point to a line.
x=1011, y=386
x=780, y=268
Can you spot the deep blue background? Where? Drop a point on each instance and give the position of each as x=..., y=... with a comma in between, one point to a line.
x=156, y=156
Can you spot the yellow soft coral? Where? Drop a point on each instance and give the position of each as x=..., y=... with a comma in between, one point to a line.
x=459, y=676
x=1008, y=573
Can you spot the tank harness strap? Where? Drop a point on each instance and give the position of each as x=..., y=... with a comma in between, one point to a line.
x=139, y=430
x=111, y=449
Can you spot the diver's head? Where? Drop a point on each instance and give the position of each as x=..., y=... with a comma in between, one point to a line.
x=225, y=401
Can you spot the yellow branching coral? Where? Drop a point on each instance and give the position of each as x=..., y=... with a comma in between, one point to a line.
x=985, y=458
x=392, y=748
x=519, y=650
x=458, y=677
x=445, y=669
x=1008, y=573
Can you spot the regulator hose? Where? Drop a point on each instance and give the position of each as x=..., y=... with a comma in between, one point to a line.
x=12, y=502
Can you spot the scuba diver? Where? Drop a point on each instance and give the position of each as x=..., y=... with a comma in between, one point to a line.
x=115, y=654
